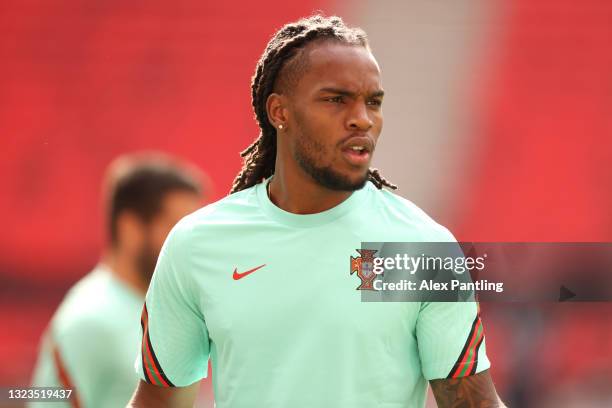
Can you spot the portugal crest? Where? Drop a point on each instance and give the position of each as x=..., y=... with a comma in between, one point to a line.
x=364, y=267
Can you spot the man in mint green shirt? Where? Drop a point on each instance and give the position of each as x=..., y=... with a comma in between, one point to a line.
x=260, y=281
x=91, y=340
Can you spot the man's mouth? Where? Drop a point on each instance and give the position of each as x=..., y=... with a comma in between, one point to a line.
x=357, y=151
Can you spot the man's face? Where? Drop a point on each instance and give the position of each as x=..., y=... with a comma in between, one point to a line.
x=336, y=115
x=175, y=205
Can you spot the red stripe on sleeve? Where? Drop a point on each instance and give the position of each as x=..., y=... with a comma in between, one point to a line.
x=147, y=344
x=146, y=369
x=467, y=350
x=64, y=377
x=474, y=355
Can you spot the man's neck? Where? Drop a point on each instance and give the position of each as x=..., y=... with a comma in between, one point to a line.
x=300, y=194
x=123, y=268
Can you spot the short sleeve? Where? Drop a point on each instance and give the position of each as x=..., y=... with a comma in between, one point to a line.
x=45, y=374
x=175, y=343
x=70, y=358
x=451, y=341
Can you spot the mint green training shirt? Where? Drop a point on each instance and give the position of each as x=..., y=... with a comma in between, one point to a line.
x=268, y=295
x=90, y=343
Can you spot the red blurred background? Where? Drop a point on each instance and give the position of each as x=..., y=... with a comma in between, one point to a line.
x=523, y=149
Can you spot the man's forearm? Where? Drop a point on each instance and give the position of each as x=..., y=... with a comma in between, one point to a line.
x=475, y=391
x=152, y=396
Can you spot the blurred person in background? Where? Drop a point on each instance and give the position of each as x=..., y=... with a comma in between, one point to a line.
x=90, y=343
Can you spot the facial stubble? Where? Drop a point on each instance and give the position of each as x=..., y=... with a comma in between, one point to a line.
x=309, y=153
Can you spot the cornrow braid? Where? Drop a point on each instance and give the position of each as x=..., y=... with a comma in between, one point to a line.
x=260, y=156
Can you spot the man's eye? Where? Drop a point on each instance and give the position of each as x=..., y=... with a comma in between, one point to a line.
x=335, y=99
x=375, y=102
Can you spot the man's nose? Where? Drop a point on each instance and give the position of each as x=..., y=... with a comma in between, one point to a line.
x=359, y=117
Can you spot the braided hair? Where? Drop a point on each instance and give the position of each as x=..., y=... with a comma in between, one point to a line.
x=281, y=51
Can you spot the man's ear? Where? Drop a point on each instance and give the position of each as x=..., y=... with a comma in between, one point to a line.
x=276, y=107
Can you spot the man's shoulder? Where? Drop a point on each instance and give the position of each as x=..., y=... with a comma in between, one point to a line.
x=240, y=205
x=92, y=307
x=240, y=208
x=404, y=213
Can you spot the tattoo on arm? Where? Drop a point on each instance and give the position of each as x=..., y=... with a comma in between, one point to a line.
x=474, y=391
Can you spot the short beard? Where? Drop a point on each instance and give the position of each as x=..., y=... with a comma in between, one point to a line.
x=146, y=261
x=325, y=176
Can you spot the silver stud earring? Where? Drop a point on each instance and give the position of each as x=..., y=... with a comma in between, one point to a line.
x=280, y=126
